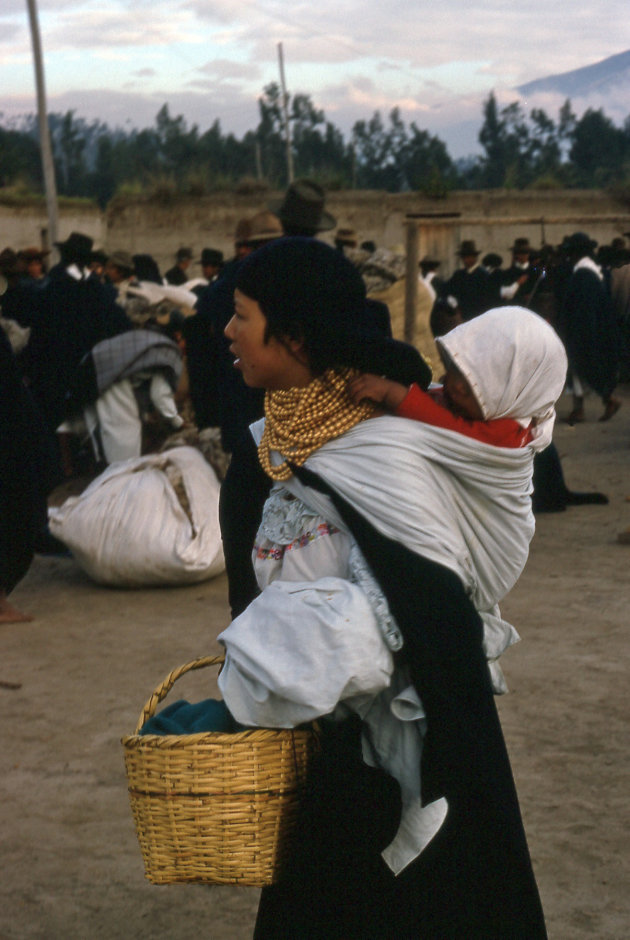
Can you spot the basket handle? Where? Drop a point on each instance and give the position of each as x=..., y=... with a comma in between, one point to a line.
x=162, y=690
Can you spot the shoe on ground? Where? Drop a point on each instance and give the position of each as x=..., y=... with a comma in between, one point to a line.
x=542, y=505
x=611, y=408
x=585, y=499
x=576, y=417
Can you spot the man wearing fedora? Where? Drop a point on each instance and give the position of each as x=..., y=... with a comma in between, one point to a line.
x=587, y=325
x=34, y=259
x=75, y=312
x=519, y=280
x=470, y=285
x=301, y=210
x=302, y=213
x=119, y=270
x=178, y=274
x=21, y=298
x=98, y=260
x=218, y=393
x=211, y=262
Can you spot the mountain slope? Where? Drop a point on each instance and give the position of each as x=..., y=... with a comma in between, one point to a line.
x=591, y=80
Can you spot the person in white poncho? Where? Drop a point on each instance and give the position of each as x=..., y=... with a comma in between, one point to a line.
x=383, y=550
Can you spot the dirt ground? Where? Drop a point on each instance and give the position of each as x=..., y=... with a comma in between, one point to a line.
x=75, y=679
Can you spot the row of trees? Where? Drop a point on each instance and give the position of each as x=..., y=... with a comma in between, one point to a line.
x=518, y=150
x=524, y=150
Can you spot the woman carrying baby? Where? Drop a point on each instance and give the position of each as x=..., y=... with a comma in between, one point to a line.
x=384, y=548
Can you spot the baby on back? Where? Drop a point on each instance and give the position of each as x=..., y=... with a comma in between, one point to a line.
x=503, y=372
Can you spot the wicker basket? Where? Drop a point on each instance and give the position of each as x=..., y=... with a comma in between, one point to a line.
x=215, y=808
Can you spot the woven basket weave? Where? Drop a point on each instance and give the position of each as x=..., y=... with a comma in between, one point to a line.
x=215, y=808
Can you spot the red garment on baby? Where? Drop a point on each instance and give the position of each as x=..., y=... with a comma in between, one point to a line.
x=501, y=432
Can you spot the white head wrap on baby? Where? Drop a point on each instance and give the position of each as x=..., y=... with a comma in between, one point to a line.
x=515, y=364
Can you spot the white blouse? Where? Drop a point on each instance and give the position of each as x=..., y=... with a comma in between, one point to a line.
x=295, y=543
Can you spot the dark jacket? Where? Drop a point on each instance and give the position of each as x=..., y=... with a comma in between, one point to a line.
x=588, y=327
x=72, y=317
x=472, y=289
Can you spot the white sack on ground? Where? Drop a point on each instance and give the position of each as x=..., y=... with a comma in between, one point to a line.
x=151, y=520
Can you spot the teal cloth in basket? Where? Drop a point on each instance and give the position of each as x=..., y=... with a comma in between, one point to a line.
x=182, y=717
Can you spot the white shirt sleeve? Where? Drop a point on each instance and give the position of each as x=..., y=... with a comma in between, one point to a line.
x=162, y=397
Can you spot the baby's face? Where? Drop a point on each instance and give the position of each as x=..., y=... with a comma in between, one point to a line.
x=460, y=396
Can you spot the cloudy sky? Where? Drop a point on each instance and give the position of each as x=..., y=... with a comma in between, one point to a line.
x=120, y=61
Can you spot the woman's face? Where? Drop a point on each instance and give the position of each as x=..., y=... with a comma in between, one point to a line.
x=263, y=363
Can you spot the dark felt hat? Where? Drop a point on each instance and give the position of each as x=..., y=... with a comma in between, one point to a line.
x=303, y=207
x=99, y=257
x=78, y=243
x=183, y=254
x=578, y=242
x=492, y=260
x=429, y=263
x=521, y=245
x=467, y=247
x=211, y=256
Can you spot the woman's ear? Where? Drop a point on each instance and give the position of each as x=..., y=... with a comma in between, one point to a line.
x=296, y=348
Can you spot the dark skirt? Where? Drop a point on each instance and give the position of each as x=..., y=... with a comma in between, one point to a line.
x=475, y=879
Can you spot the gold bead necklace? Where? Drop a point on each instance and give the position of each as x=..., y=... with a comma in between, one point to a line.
x=299, y=420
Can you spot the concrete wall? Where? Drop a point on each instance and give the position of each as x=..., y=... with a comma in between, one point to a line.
x=380, y=217
x=27, y=226
x=493, y=219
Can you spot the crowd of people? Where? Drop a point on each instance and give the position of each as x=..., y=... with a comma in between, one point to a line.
x=350, y=517
x=580, y=288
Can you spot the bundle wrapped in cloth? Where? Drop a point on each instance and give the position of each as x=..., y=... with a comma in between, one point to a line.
x=150, y=520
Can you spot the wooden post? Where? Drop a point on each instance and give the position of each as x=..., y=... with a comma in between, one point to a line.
x=411, y=280
x=44, y=132
x=285, y=112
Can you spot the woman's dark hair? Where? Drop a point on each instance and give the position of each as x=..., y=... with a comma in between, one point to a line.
x=146, y=269
x=307, y=291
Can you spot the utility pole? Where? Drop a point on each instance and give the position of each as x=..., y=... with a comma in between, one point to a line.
x=44, y=131
x=285, y=113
